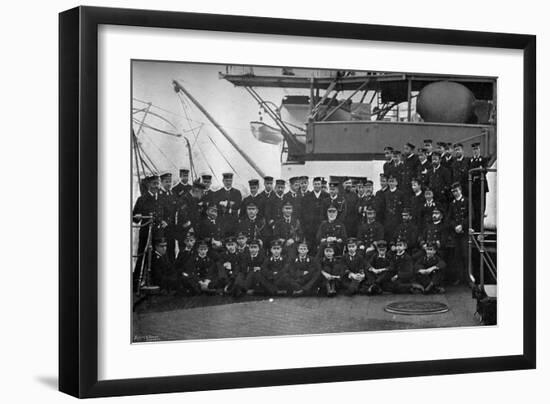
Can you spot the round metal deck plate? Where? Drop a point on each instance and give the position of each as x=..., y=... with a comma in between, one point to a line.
x=415, y=308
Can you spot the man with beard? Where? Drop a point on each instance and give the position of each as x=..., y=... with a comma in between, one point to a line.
x=365, y=198
x=336, y=200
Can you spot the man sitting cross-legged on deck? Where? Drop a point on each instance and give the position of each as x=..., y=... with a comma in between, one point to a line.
x=429, y=270
x=304, y=272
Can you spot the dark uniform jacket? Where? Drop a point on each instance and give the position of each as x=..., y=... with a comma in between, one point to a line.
x=332, y=267
x=228, y=201
x=148, y=204
x=288, y=229
x=181, y=189
x=354, y=264
x=187, y=211
x=296, y=200
x=408, y=232
x=439, y=181
x=415, y=204
x=368, y=233
x=447, y=161
x=183, y=257
x=312, y=213
x=274, y=208
x=380, y=200
x=410, y=169
x=210, y=229
x=254, y=229
x=163, y=273
x=201, y=268
x=232, y=258
x=478, y=162
x=378, y=262
x=396, y=170
x=422, y=171
x=297, y=267
x=427, y=211
x=394, y=202
x=339, y=203
x=352, y=201
x=206, y=200
x=437, y=233
x=403, y=266
x=273, y=267
x=365, y=202
x=458, y=214
x=459, y=172
x=331, y=229
x=424, y=262
x=258, y=200
x=248, y=262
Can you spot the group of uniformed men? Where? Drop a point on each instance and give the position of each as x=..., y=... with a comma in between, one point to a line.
x=408, y=236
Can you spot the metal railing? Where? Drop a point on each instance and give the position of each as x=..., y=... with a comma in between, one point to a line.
x=478, y=239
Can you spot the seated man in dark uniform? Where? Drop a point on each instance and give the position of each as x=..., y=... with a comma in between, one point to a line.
x=200, y=272
x=407, y=231
x=354, y=268
x=271, y=279
x=288, y=230
x=251, y=262
x=403, y=280
x=331, y=231
x=229, y=267
x=303, y=272
x=379, y=270
x=429, y=270
x=331, y=271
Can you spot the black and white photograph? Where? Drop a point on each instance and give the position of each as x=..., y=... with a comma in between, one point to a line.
x=275, y=200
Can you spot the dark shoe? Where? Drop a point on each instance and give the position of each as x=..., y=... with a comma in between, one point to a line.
x=439, y=289
x=299, y=292
x=282, y=293
x=429, y=288
x=250, y=292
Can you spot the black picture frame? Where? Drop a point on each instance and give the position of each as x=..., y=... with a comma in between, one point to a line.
x=78, y=182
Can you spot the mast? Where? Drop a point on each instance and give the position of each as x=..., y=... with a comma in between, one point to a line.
x=179, y=88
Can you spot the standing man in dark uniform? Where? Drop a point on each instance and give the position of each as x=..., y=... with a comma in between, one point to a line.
x=379, y=197
x=254, y=197
x=410, y=168
x=366, y=200
x=304, y=185
x=428, y=146
x=163, y=273
x=407, y=231
x=312, y=214
x=447, y=160
x=335, y=200
x=183, y=186
x=424, y=166
x=147, y=205
x=416, y=202
x=460, y=167
x=288, y=230
x=351, y=198
x=477, y=161
x=439, y=180
x=331, y=231
x=274, y=206
x=388, y=154
x=394, y=202
x=398, y=168
x=458, y=223
x=228, y=201
x=170, y=202
x=210, y=229
x=267, y=193
x=295, y=197
x=208, y=195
